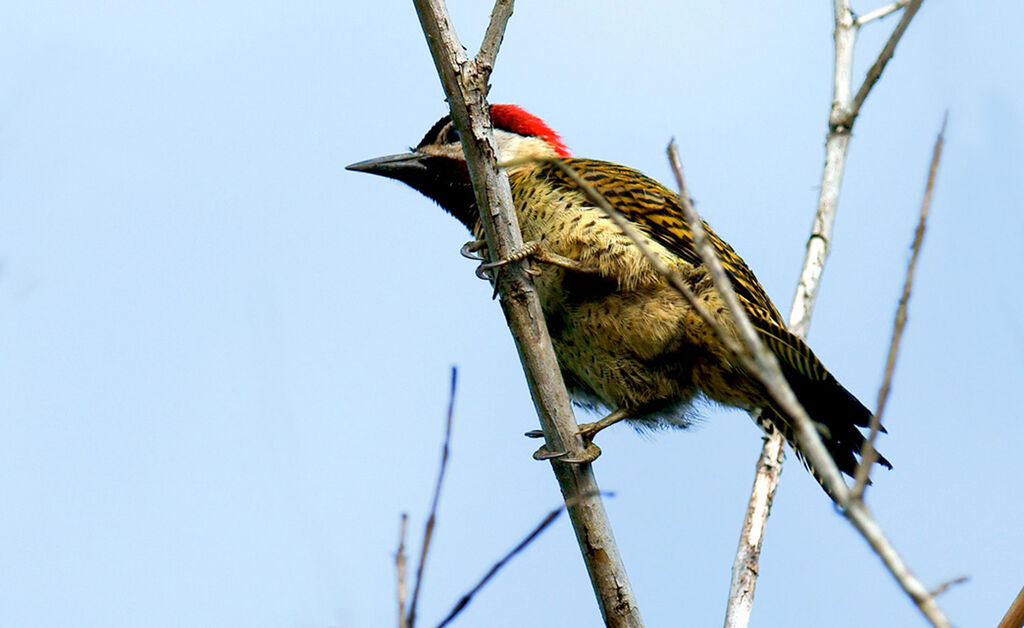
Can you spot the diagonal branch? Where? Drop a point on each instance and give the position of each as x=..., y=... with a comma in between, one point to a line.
x=465, y=85
x=1014, y=617
x=876, y=69
x=496, y=567
x=763, y=362
x=868, y=455
x=811, y=446
x=880, y=12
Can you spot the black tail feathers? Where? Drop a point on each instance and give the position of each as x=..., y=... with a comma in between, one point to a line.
x=838, y=415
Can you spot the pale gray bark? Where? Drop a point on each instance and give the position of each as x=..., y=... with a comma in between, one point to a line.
x=465, y=84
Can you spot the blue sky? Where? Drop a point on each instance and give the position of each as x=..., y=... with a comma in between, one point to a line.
x=224, y=359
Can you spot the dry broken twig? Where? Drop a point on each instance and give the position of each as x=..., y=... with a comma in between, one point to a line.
x=428, y=528
x=945, y=586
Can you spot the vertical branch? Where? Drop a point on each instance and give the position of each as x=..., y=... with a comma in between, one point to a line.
x=400, y=573
x=844, y=111
x=836, y=144
x=428, y=529
x=748, y=554
x=465, y=85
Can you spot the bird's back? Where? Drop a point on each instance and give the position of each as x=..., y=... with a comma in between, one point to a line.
x=625, y=338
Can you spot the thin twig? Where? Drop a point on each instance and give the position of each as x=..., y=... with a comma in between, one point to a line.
x=875, y=71
x=428, y=530
x=868, y=454
x=497, y=566
x=465, y=85
x=945, y=586
x=400, y=573
x=500, y=14
x=1014, y=617
x=880, y=12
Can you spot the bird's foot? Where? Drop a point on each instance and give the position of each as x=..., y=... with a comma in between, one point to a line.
x=532, y=250
x=587, y=431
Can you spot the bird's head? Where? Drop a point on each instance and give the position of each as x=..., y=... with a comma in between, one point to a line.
x=436, y=167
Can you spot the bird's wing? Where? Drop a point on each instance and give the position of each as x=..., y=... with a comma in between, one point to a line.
x=658, y=211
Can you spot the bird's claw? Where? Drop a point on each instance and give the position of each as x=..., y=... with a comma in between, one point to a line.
x=476, y=250
x=589, y=454
x=528, y=249
x=471, y=250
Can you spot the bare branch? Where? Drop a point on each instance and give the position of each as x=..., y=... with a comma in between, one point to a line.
x=840, y=123
x=836, y=143
x=868, y=455
x=945, y=586
x=875, y=71
x=880, y=12
x=428, y=530
x=1014, y=617
x=492, y=38
x=466, y=87
x=468, y=597
x=400, y=573
x=746, y=564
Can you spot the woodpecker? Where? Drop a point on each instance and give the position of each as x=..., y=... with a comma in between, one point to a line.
x=627, y=341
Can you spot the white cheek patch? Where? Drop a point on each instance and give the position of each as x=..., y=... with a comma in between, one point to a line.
x=512, y=147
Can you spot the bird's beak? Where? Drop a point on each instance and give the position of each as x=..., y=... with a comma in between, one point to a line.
x=399, y=166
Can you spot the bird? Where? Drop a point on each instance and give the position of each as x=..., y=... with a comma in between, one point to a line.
x=626, y=340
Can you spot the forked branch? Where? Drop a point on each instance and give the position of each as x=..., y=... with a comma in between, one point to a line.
x=845, y=109
x=465, y=85
x=766, y=369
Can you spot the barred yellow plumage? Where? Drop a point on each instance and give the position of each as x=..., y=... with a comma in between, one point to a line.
x=625, y=339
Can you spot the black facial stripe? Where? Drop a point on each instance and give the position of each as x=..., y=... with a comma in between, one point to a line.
x=431, y=136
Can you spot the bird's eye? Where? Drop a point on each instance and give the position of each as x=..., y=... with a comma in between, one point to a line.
x=451, y=136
